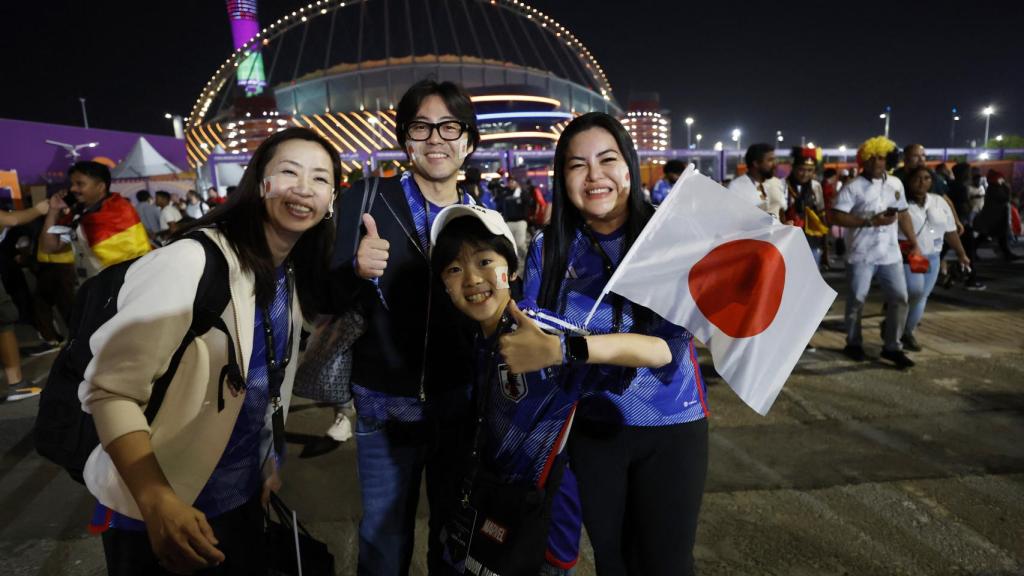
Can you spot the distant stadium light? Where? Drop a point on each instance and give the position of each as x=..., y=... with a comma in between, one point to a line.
x=504, y=135
x=511, y=115
x=515, y=98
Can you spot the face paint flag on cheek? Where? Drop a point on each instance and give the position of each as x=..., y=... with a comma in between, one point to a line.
x=501, y=280
x=271, y=189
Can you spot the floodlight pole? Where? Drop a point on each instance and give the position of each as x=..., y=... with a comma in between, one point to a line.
x=85, y=117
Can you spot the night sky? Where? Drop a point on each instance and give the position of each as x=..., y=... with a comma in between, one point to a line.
x=822, y=70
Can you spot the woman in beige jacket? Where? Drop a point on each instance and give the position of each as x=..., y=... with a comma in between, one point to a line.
x=183, y=493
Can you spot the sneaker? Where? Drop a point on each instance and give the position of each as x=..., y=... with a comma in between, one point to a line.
x=910, y=343
x=810, y=348
x=898, y=358
x=975, y=286
x=855, y=353
x=341, y=430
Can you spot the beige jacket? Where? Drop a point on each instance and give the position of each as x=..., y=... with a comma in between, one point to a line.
x=134, y=348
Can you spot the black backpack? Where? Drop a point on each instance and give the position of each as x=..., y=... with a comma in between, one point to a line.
x=64, y=433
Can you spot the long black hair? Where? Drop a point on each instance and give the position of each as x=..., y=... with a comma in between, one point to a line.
x=242, y=216
x=566, y=218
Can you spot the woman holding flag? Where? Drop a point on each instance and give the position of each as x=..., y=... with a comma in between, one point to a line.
x=639, y=452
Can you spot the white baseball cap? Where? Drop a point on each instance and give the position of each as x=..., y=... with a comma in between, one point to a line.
x=491, y=219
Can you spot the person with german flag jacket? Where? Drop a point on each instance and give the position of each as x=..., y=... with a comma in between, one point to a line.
x=103, y=228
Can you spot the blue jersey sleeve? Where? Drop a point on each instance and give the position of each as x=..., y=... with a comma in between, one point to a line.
x=534, y=265
x=660, y=192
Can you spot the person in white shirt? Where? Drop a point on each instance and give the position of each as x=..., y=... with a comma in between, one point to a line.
x=149, y=213
x=759, y=185
x=169, y=215
x=195, y=208
x=870, y=206
x=933, y=221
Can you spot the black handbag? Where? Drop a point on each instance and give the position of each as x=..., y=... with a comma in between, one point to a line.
x=325, y=372
x=282, y=537
x=498, y=527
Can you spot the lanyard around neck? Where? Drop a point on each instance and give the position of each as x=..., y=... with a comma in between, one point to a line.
x=275, y=369
x=609, y=269
x=412, y=190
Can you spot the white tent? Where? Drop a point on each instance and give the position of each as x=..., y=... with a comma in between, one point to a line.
x=142, y=162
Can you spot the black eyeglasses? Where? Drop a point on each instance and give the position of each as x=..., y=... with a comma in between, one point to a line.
x=448, y=130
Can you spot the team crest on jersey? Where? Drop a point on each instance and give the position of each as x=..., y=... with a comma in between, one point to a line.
x=897, y=194
x=513, y=386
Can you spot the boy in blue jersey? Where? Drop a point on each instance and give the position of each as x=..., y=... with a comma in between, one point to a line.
x=525, y=417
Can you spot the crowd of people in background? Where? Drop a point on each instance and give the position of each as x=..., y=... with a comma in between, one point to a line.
x=896, y=220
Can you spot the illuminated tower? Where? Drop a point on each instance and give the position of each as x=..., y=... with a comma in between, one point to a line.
x=648, y=125
x=244, y=26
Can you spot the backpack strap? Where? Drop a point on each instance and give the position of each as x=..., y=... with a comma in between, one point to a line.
x=212, y=298
x=369, y=196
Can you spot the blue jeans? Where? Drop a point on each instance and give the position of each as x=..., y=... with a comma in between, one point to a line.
x=894, y=290
x=919, y=287
x=391, y=458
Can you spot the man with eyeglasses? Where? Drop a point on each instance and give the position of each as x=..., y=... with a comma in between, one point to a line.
x=412, y=369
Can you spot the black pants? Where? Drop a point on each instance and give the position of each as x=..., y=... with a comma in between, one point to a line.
x=240, y=533
x=55, y=288
x=641, y=489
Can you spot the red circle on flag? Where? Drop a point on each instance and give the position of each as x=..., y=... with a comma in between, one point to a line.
x=738, y=286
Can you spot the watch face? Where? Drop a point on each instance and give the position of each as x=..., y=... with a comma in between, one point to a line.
x=576, y=348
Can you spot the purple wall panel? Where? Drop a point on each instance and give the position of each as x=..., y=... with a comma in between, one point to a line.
x=23, y=147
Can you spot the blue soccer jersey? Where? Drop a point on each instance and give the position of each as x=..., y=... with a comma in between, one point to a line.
x=527, y=421
x=527, y=416
x=672, y=394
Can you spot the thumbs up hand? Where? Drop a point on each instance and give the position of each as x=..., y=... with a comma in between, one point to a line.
x=528, y=349
x=372, y=255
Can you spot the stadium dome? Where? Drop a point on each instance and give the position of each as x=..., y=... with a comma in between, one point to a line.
x=340, y=67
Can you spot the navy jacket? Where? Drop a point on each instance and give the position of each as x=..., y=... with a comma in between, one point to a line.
x=420, y=341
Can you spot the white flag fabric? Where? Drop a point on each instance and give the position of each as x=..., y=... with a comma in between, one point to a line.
x=743, y=284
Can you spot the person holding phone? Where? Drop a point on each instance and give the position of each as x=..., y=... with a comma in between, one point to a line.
x=873, y=206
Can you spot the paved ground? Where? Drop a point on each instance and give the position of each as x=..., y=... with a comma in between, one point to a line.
x=858, y=469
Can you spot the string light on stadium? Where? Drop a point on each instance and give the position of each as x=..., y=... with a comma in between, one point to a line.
x=216, y=99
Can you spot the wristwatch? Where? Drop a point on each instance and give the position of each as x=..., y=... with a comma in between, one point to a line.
x=576, y=350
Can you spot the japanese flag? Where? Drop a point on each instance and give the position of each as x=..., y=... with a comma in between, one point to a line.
x=743, y=284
